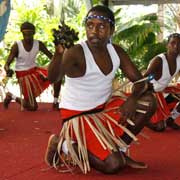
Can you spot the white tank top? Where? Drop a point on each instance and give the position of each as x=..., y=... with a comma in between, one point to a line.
x=166, y=77
x=92, y=89
x=25, y=59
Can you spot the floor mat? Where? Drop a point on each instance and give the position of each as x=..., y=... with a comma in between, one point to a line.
x=24, y=136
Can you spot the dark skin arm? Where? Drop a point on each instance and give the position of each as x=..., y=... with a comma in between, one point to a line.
x=12, y=55
x=55, y=69
x=128, y=109
x=127, y=67
x=44, y=49
x=155, y=68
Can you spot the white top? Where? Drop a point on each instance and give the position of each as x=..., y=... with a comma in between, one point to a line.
x=166, y=77
x=26, y=59
x=92, y=89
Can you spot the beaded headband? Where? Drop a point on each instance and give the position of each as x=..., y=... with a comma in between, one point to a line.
x=99, y=17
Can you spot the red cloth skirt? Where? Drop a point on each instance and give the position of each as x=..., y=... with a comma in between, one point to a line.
x=164, y=109
x=33, y=81
x=93, y=145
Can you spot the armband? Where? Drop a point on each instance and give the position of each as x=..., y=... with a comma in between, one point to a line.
x=147, y=79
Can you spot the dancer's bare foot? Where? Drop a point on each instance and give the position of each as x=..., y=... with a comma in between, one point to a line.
x=135, y=164
x=51, y=149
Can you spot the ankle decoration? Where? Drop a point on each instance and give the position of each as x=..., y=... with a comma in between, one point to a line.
x=55, y=100
x=14, y=97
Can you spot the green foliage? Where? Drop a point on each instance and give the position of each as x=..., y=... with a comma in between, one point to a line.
x=96, y=2
x=138, y=36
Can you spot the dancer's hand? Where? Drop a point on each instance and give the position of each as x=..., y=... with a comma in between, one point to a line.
x=128, y=110
x=9, y=72
x=59, y=49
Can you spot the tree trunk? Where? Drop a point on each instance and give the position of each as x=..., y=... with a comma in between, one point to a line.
x=161, y=21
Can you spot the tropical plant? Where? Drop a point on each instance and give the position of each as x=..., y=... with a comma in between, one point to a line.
x=138, y=36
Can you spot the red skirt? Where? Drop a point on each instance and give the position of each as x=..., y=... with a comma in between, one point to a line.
x=164, y=109
x=32, y=82
x=93, y=144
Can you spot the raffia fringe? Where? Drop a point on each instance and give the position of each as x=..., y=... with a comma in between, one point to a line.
x=28, y=81
x=106, y=137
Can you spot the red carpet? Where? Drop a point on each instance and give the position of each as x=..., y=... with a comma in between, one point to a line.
x=24, y=136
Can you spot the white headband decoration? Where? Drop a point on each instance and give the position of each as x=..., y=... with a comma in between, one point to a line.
x=99, y=17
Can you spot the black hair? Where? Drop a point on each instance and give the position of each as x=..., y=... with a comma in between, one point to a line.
x=105, y=10
x=28, y=26
x=173, y=35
